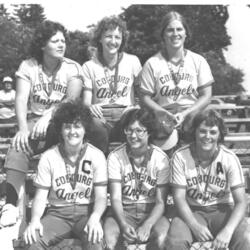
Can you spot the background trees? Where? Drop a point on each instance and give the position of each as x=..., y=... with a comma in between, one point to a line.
x=207, y=23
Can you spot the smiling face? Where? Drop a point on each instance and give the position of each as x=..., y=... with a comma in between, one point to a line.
x=55, y=46
x=207, y=137
x=174, y=35
x=111, y=41
x=73, y=133
x=137, y=135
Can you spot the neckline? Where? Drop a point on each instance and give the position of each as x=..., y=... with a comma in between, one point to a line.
x=104, y=64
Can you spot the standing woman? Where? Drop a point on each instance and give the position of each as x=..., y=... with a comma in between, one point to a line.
x=43, y=81
x=176, y=81
x=109, y=80
x=138, y=177
x=73, y=176
x=208, y=190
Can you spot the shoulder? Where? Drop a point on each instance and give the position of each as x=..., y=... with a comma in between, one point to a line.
x=29, y=63
x=118, y=152
x=70, y=62
x=195, y=56
x=51, y=153
x=158, y=151
x=227, y=152
x=182, y=152
x=127, y=56
x=94, y=151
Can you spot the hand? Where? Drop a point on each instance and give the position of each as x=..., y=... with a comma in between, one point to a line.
x=129, y=233
x=143, y=232
x=222, y=239
x=40, y=128
x=94, y=230
x=202, y=233
x=96, y=110
x=29, y=234
x=21, y=142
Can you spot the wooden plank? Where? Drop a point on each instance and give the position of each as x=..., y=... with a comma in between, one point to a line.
x=237, y=120
x=8, y=125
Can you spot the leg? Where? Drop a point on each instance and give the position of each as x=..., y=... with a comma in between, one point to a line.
x=99, y=135
x=158, y=235
x=111, y=233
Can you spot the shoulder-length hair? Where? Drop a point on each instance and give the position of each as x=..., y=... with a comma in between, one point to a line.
x=109, y=23
x=41, y=36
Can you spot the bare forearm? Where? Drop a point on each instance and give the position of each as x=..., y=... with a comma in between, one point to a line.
x=99, y=207
x=119, y=212
x=155, y=214
x=21, y=113
x=38, y=208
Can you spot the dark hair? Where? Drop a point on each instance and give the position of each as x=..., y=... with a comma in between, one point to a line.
x=42, y=34
x=70, y=112
x=211, y=118
x=108, y=23
x=171, y=16
x=142, y=116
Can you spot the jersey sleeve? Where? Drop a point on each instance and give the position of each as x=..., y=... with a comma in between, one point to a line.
x=24, y=71
x=147, y=80
x=178, y=178
x=205, y=76
x=44, y=175
x=136, y=66
x=235, y=174
x=87, y=80
x=114, y=171
x=74, y=71
x=100, y=172
x=163, y=174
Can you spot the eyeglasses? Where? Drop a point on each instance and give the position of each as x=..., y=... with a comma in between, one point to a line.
x=139, y=132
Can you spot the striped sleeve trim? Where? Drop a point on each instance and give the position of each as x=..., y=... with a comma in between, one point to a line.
x=178, y=185
x=162, y=185
x=206, y=85
x=114, y=180
x=238, y=186
x=143, y=91
x=89, y=89
x=41, y=186
x=104, y=183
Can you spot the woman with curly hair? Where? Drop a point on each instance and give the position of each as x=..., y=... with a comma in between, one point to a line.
x=42, y=82
x=72, y=175
x=109, y=79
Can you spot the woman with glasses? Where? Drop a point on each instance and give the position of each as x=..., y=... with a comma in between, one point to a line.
x=138, y=179
x=109, y=80
x=208, y=190
x=176, y=80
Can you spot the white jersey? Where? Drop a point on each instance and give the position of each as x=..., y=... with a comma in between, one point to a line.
x=211, y=185
x=156, y=80
x=98, y=78
x=53, y=175
x=156, y=173
x=47, y=91
x=7, y=97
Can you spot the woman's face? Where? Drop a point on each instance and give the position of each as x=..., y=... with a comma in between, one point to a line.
x=55, y=46
x=111, y=41
x=137, y=135
x=73, y=133
x=207, y=137
x=174, y=35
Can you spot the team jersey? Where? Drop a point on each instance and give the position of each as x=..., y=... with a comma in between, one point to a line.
x=47, y=91
x=7, y=97
x=155, y=174
x=99, y=78
x=156, y=80
x=53, y=175
x=207, y=186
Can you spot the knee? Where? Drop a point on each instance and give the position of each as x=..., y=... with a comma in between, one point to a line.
x=246, y=237
x=111, y=239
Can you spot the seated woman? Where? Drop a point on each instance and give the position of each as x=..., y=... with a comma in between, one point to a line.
x=109, y=80
x=138, y=177
x=73, y=176
x=208, y=190
x=42, y=82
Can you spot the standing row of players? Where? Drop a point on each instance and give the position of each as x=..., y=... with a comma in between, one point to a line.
x=174, y=84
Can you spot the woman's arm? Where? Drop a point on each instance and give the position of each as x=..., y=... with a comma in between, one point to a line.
x=20, y=141
x=157, y=211
x=93, y=227
x=128, y=231
x=200, y=231
x=224, y=236
x=37, y=211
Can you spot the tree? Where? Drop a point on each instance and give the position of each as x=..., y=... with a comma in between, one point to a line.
x=30, y=15
x=209, y=37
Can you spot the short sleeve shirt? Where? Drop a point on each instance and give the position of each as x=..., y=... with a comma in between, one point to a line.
x=7, y=112
x=98, y=78
x=155, y=174
x=221, y=177
x=52, y=175
x=47, y=91
x=156, y=80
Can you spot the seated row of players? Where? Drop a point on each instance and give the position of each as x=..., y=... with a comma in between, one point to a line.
x=206, y=180
x=175, y=83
